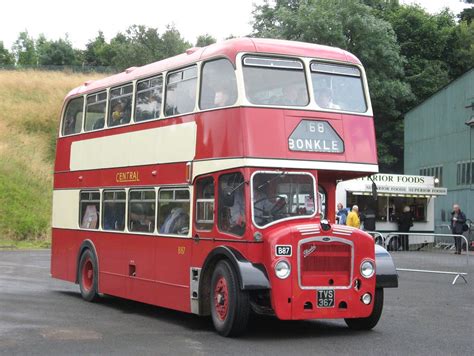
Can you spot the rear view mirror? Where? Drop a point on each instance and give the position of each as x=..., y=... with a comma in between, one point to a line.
x=227, y=197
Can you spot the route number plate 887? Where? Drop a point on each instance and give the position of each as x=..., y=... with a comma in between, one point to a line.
x=283, y=250
x=326, y=298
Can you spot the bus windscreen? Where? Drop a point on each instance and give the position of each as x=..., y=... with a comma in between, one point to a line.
x=277, y=196
x=275, y=81
x=338, y=87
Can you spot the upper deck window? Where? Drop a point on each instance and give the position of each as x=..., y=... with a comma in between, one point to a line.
x=338, y=87
x=275, y=81
x=148, y=99
x=72, y=121
x=181, y=91
x=219, y=87
x=95, y=111
x=120, y=105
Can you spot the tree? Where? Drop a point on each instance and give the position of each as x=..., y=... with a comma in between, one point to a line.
x=58, y=52
x=172, y=43
x=6, y=58
x=205, y=40
x=353, y=26
x=139, y=45
x=423, y=40
x=98, y=52
x=24, y=50
x=467, y=14
x=459, y=51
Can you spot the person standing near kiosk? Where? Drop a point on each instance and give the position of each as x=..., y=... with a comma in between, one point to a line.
x=405, y=221
x=458, y=220
x=353, y=217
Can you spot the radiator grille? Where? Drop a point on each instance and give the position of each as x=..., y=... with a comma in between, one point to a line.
x=325, y=264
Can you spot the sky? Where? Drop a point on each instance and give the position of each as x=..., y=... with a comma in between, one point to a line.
x=82, y=19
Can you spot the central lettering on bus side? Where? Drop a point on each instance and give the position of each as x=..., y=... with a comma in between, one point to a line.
x=315, y=136
x=127, y=177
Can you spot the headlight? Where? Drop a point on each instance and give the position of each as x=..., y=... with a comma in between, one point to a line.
x=367, y=269
x=282, y=269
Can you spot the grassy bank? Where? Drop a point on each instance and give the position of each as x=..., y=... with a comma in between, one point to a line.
x=30, y=104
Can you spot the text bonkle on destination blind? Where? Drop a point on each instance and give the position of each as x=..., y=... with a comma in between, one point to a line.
x=315, y=136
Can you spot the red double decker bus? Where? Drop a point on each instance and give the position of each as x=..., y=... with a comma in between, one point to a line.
x=203, y=183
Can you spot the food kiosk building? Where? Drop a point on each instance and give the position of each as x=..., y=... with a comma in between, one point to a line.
x=394, y=193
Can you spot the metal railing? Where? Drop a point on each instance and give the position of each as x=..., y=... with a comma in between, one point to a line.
x=379, y=239
x=432, y=245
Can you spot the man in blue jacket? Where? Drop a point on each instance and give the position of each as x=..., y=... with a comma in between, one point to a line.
x=341, y=215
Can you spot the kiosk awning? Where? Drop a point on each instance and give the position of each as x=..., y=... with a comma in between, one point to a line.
x=409, y=192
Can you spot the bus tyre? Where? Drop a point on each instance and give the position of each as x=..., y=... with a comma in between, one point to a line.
x=230, y=306
x=372, y=320
x=88, y=276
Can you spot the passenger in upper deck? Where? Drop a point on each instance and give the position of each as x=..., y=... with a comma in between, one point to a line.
x=120, y=114
x=324, y=99
x=70, y=123
x=221, y=98
x=294, y=95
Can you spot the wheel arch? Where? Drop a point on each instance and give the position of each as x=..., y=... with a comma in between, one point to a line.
x=250, y=276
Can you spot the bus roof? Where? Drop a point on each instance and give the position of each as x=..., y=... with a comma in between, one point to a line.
x=229, y=49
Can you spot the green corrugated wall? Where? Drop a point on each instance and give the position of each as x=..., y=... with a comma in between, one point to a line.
x=436, y=134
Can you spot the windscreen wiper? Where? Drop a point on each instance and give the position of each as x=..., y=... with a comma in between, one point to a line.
x=272, y=179
x=229, y=193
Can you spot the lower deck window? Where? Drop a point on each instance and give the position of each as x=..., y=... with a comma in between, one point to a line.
x=173, y=211
x=231, y=214
x=113, y=208
x=205, y=204
x=141, y=211
x=89, y=209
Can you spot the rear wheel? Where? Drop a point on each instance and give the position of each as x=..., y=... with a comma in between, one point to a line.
x=88, y=276
x=372, y=320
x=230, y=306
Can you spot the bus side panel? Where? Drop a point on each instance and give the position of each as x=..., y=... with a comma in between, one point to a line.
x=173, y=257
x=220, y=134
x=160, y=265
x=145, y=268
x=64, y=249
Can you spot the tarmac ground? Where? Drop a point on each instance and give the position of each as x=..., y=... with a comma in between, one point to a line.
x=426, y=315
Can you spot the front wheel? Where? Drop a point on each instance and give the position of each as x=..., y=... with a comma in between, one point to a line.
x=230, y=306
x=372, y=320
x=88, y=276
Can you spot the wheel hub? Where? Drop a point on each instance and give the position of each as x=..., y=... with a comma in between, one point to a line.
x=87, y=274
x=221, y=297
